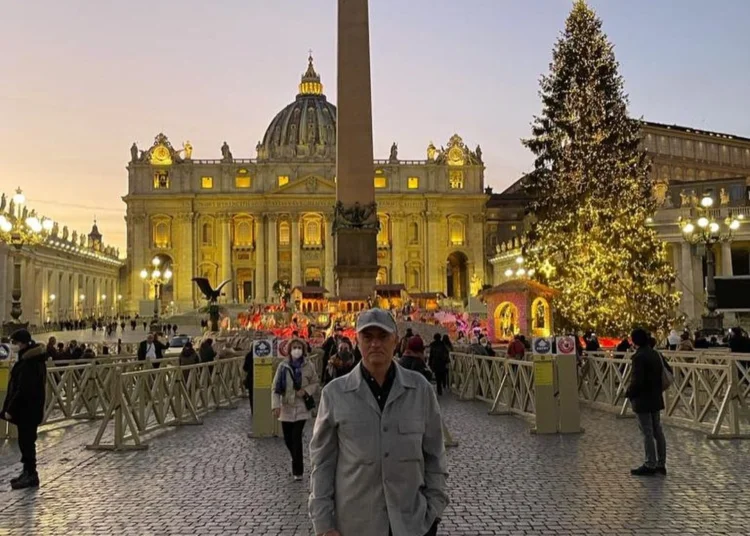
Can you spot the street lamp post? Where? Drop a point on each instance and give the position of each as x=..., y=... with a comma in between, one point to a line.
x=19, y=227
x=156, y=279
x=119, y=305
x=706, y=231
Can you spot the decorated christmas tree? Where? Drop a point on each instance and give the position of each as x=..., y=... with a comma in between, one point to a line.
x=591, y=192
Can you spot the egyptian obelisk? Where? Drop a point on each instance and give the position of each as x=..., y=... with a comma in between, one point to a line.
x=356, y=221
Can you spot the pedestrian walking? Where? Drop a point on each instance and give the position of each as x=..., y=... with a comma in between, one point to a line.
x=24, y=402
x=439, y=360
x=295, y=384
x=645, y=395
x=377, y=452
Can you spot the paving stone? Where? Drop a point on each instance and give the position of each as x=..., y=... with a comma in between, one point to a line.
x=213, y=479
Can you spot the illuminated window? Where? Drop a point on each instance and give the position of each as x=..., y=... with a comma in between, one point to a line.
x=207, y=183
x=383, y=232
x=242, y=181
x=161, y=234
x=283, y=179
x=412, y=183
x=312, y=277
x=161, y=180
x=207, y=234
x=381, y=182
x=457, y=233
x=312, y=233
x=284, y=234
x=244, y=233
x=457, y=179
x=512, y=227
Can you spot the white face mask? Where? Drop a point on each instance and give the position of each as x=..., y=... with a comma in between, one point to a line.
x=296, y=353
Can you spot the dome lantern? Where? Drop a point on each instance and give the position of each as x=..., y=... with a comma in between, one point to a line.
x=310, y=84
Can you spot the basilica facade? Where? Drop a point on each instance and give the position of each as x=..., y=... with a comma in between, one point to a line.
x=258, y=221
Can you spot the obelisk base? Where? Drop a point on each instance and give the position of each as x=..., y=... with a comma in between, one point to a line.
x=356, y=262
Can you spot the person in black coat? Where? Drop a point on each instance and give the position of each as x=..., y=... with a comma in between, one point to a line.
x=439, y=360
x=645, y=395
x=248, y=368
x=24, y=402
x=413, y=358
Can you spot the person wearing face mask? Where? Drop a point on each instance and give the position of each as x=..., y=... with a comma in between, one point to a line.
x=295, y=384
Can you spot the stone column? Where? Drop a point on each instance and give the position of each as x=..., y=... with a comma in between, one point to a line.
x=184, y=277
x=699, y=288
x=226, y=257
x=730, y=319
x=433, y=277
x=259, y=286
x=138, y=238
x=687, y=299
x=296, y=262
x=726, y=259
x=398, y=248
x=273, y=254
x=330, y=281
x=356, y=244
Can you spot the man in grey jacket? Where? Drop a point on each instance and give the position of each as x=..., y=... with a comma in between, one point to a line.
x=377, y=452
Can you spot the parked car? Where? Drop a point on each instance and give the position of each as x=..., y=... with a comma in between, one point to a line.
x=176, y=345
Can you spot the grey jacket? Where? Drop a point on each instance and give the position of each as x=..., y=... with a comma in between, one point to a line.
x=372, y=470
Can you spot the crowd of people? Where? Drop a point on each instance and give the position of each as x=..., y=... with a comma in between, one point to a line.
x=111, y=325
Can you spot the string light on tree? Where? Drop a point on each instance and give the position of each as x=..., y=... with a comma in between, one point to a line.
x=592, y=193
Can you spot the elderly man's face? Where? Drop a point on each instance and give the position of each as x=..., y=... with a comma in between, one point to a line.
x=150, y=338
x=377, y=346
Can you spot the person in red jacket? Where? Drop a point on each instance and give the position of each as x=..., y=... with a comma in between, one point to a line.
x=516, y=349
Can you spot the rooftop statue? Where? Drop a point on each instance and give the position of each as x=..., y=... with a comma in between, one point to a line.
x=134, y=153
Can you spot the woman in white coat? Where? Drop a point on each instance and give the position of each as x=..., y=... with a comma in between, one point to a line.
x=295, y=384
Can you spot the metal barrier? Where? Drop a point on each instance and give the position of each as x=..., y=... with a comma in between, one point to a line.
x=507, y=384
x=150, y=399
x=710, y=393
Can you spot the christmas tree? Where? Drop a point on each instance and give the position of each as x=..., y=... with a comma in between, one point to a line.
x=591, y=193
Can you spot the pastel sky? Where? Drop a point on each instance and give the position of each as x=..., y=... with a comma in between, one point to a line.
x=81, y=80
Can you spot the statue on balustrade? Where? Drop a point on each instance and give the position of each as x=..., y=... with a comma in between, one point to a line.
x=188, y=148
x=226, y=153
x=431, y=152
x=724, y=197
x=684, y=199
x=394, y=153
x=3, y=201
x=134, y=153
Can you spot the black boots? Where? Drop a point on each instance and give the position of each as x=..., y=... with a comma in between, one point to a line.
x=26, y=480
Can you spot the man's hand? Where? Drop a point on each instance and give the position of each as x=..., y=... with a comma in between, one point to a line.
x=301, y=393
x=276, y=412
x=8, y=416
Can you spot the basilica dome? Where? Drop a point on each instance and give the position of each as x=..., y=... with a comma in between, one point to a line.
x=305, y=129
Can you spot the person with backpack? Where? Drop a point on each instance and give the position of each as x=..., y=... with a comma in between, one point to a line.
x=645, y=395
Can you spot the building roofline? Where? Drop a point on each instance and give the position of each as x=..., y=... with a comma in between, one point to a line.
x=691, y=130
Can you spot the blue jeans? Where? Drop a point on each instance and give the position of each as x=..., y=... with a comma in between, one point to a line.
x=654, y=442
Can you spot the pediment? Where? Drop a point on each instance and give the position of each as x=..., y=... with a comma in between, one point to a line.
x=310, y=185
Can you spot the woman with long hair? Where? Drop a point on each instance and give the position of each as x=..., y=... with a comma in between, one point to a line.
x=292, y=401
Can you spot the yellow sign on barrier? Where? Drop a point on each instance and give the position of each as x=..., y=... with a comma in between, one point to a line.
x=544, y=372
x=263, y=373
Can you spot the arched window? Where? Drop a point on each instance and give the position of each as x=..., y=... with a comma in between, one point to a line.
x=244, y=233
x=414, y=233
x=207, y=234
x=457, y=232
x=414, y=278
x=383, y=238
x=284, y=234
x=312, y=233
x=161, y=234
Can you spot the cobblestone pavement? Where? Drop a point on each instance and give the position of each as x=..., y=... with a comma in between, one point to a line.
x=213, y=479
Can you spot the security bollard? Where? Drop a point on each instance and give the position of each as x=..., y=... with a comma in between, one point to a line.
x=544, y=395
x=264, y=424
x=567, y=387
